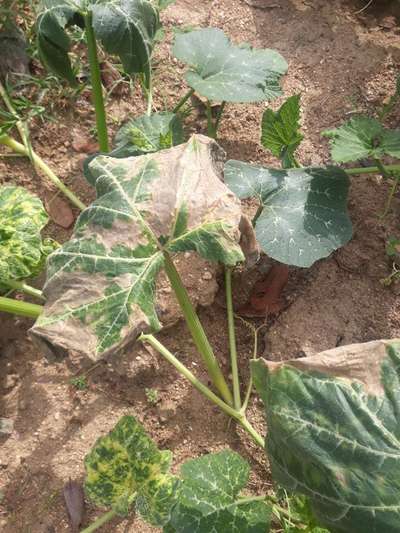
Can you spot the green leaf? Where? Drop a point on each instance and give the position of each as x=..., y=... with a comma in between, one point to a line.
x=334, y=432
x=125, y=467
x=146, y=134
x=52, y=40
x=363, y=137
x=22, y=251
x=209, y=498
x=127, y=28
x=100, y=285
x=280, y=131
x=221, y=71
x=304, y=215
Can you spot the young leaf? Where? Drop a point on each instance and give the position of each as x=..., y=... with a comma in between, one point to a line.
x=126, y=467
x=22, y=251
x=209, y=498
x=363, y=137
x=334, y=432
x=147, y=134
x=100, y=284
x=304, y=216
x=221, y=71
x=280, y=131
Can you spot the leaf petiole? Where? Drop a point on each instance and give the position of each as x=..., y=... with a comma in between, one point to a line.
x=183, y=100
x=24, y=287
x=18, y=307
x=103, y=519
x=237, y=403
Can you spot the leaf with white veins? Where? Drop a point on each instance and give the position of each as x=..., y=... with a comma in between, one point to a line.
x=100, y=284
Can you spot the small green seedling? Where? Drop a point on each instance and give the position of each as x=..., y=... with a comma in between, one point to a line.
x=79, y=382
x=151, y=396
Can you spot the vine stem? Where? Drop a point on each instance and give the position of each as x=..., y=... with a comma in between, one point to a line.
x=106, y=517
x=97, y=88
x=237, y=403
x=11, y=109
x=39, y=163
x=17, y=307
x=182, y=369
x=24, y=287
x=210, y=126
x=183, y=100
x=196, y=329
x=370, y=170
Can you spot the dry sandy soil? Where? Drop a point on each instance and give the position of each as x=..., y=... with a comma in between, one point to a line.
x=342, y=63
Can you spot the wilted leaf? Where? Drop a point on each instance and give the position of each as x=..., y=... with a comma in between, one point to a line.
x=363, y=137
x=22, y=217
x=100, y=284
x=304, y=216
x=209, y=498
x=280, y=131
x=126, y=467
x=220, y=70
x=334, y=432
x=147, y=134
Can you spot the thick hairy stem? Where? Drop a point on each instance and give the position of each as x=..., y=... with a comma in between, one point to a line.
x=196, y=330
x=39, y=163
x=17, y=307
x=182, y=369
x=237, y=403
x=97, y=88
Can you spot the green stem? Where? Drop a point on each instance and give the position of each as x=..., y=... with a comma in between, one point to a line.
x=392, y=192
x=38, y=162
x=210, y=126
x=258, y=213
x=241, y=419
x=218, y=119
x=27, y=289
x=370, y=170
x=382, y=169
x=97, y=89
x=103, y=519
x=11, y=109
x=196, y=329
x=17, y=307
x=237, y=403
x=183, y=100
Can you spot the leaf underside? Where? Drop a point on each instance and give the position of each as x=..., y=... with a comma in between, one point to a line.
x=221, y=71
x=280, y=131
x=363, y=137
x=22, y=251
x=126, y=467
x=100, y=285
x=334, y=432
x=147, y=134
x=304, y=216
x=209, y=498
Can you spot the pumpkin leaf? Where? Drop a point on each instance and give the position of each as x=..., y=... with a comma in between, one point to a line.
x=334, y=432
x=222, y=71
x=280, y=131
x=209, y=498
x=304, y=215
x=22, y=250
x=362, y=137
x=146, y=134
x=100, y=285
x=126, y=468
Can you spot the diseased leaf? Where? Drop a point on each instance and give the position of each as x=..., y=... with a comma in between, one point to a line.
x=209, y=498
x=334, y=432
x=280, y=131
x=220, y=70
x=126, y=467
x=147, y=134
x=362, y=137
x=304, y=216
x=22, y=251
x=100, y=284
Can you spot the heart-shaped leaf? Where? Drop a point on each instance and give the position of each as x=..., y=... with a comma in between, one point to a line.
x=334, y=432
x=146, y=134
x=100, y=284
x=304, y=215
x=221, y=71
x=22, y=251
x=209, y=498
x=280, y=131
x=363, y=137
x=126, y=467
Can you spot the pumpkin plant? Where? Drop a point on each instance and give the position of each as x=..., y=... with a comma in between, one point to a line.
x=126, y=28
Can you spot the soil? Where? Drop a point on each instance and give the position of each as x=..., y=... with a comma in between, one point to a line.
x=342, y=62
